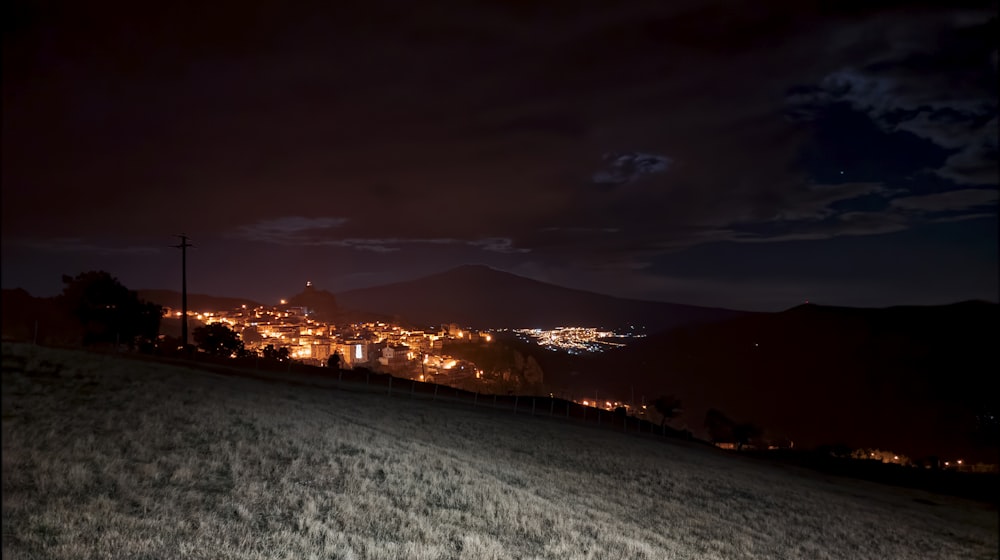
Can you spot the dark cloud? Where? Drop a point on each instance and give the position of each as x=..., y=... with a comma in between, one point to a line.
x=498, y=245
x=428, y=133
x=82, y=246
x=817, y=202
x=928, y=73
x=290, y=230
x=329, y=232
x=960, y=200
x=621, y=168
x=975, y=162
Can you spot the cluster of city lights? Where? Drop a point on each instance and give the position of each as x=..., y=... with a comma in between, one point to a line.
x=576, y=340
x=312, y=341
x=612, y=405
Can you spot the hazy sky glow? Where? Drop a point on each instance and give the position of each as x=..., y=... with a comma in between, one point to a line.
x=747, y=155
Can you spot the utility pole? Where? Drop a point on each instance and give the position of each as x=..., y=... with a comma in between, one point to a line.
x=183, y=245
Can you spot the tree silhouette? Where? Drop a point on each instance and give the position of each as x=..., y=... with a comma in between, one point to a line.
x=108, y=311
x=533, y=375
x=218, y=339
x=720, y=427
x=271, y=353
x=333, y=361
x=745, y=433
x=668, y=407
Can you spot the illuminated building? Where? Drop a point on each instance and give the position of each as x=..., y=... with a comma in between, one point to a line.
x=353, y=352
x=395, y=354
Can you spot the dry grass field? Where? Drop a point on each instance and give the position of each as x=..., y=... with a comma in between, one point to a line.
x=105, y=457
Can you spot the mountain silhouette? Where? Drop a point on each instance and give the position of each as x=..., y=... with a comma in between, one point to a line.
x=482, y=297
x=196, y=302
x=920, y=380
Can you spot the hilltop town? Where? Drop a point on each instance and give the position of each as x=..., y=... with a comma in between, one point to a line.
x=310, y=336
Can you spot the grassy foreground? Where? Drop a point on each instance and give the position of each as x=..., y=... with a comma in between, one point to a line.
x=105, y=457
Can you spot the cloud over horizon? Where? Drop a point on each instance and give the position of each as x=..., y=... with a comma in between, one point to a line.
x=385, y=137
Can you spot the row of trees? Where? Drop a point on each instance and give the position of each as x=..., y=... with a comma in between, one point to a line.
x=218, y=339
x=109, y=313
x=720, y=427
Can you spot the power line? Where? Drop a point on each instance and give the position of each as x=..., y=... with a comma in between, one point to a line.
x=183, y=245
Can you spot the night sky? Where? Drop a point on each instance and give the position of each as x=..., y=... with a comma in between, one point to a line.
x=746, y=155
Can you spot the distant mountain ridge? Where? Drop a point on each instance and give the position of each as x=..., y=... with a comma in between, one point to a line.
x=919, y=380
x=196, y=302
x=482, y=297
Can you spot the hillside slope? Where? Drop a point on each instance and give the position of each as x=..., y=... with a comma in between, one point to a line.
x=102, y=459
x=919, y=380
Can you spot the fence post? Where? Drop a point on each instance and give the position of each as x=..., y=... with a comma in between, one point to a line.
x=552, y=406
x=567, y=408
